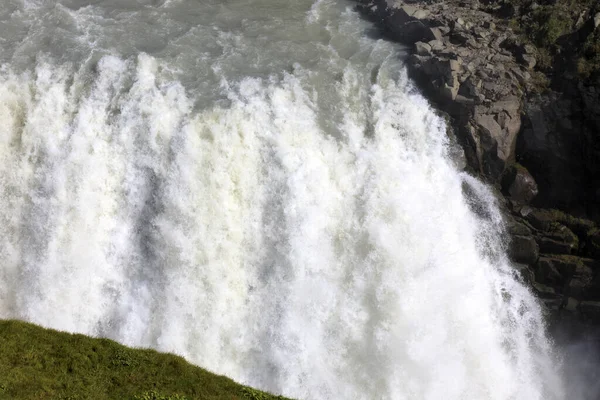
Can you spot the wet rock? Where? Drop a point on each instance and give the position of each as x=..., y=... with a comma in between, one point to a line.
x=544, y=291
x=543, y=219
x=547, y=272
x=517, y=228
x=560, y=232
x=524, y=273
x=487, y=92
x=523, y=249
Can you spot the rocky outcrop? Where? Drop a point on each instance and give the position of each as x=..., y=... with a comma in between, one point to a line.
x=553, y=250
x=541, y=148
x=469, y=67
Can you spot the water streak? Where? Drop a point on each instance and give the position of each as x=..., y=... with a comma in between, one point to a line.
x=260, y=189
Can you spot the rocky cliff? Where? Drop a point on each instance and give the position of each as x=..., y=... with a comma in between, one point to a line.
x=520, y=85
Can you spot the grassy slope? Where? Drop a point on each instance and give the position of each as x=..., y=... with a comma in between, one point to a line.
x=38, y=363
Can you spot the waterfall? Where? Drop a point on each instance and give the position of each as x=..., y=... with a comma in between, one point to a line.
x=257, y=187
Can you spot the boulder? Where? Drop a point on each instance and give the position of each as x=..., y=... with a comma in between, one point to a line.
x=523, y=249
x=518, y=183
x=515, y=227
x=423, y=49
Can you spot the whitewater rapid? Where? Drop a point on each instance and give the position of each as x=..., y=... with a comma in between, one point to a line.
x=260, y=189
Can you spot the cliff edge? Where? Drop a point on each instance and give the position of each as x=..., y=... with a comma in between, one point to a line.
x=520, y=84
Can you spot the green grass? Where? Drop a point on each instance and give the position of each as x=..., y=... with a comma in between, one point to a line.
x=38, y=363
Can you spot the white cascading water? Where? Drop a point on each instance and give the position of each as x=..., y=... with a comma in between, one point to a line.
x=262, y=192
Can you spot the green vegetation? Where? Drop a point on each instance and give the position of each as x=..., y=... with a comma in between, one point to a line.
x=561, y=33
x=38, y=363
x=547, y=25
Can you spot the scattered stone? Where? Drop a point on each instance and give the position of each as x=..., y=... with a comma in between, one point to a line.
x=529, y=49
x=435, y=34
x=421, y=14
x=522, y=76
x=528, y=60
x=436, y=45
x=489, y=25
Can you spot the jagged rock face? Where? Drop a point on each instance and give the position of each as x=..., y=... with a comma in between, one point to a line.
x=475, y=69
x=552, y=147
x=460, y=61
x=556, y=256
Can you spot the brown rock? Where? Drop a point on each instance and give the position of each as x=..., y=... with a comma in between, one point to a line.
x=519, y=184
